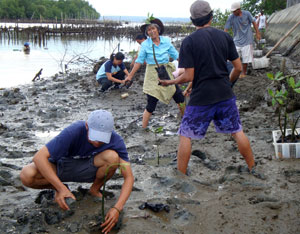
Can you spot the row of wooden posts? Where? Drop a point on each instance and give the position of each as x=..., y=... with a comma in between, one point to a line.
x=88, y=29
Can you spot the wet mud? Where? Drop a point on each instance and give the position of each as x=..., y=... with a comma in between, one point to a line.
x=217, y=196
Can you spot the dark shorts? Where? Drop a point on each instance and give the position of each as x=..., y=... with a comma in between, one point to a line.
x=76, y=170
x=196, y=119
x=106, y=83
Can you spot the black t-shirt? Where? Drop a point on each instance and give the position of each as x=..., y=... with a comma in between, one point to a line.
x=207, y=51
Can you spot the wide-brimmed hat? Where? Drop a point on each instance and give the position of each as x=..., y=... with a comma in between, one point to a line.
x=154, y=21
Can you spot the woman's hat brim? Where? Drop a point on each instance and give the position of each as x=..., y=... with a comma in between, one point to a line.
x=154, y=21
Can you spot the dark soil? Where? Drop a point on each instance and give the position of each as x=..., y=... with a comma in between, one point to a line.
x=217, y=196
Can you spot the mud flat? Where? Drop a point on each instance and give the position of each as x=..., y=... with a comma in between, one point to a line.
x=217, y=196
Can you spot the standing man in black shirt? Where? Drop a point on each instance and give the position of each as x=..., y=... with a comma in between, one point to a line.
x=204, y=56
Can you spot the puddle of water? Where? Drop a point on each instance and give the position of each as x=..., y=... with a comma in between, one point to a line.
x=170, y=133
x=46, y=136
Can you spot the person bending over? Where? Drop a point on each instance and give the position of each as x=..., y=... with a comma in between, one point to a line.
x=112, y=72
x=81, y=153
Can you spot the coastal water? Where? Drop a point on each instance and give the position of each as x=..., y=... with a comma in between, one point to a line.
x=56, y=54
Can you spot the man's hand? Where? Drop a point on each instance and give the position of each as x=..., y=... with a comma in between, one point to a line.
x=187, y=92
x=165, y=82
x=129, y=78
x=258, y=37
x=60, y=198
x=111, y=219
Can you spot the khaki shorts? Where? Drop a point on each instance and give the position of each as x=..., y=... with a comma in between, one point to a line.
x=245, y=53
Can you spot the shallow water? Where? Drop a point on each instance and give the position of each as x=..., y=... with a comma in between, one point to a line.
x=18, y=68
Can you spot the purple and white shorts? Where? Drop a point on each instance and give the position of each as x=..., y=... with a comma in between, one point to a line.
x=196, y=119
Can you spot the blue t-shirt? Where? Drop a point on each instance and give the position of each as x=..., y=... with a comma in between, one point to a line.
x=109, y=68
x=73, y=142
x=241, y=27
x=162, y=51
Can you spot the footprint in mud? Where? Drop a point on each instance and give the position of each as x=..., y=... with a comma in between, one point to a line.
x=207, y=161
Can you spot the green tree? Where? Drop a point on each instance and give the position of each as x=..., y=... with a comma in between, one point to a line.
x=253, y=6
x=219, y=18
x=267, y=6
x=48, y=9
x=270, y=6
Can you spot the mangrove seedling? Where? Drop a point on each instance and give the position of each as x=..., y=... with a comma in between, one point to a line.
x=286, y=91
x=157, y=131
x=122, y=167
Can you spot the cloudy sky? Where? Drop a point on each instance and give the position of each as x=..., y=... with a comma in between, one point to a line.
x=159, y=8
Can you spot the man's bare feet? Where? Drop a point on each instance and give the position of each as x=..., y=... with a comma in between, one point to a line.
x=95, y=192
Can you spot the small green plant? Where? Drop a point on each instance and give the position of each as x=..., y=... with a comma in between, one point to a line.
x=287, y=90
x=183, y=87
x=132, y=54
x=122, y=167
x=149, y=18
x=157, y=131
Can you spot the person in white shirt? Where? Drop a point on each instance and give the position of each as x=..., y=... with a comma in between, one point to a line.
x=262, y=21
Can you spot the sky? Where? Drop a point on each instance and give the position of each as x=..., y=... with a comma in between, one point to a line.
x=159, y=8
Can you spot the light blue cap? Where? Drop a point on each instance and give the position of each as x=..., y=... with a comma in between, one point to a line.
x=101, y=125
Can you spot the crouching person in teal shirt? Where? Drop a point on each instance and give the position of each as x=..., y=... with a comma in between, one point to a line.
x=112, y=71
x=82, y=152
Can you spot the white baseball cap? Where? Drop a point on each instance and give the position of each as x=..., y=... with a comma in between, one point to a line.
x=100, y=126
x=235, y=6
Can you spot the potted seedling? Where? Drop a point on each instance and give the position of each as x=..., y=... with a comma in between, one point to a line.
x=287, y=138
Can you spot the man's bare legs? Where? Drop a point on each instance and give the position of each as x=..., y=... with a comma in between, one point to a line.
x=244, y=148
x=181, y=107
x=244, y=72
x=184, y=153
x=32, y=178
x=103, y=161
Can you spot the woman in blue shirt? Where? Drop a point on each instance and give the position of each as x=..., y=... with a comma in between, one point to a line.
x=163, y=51
x=112, y=71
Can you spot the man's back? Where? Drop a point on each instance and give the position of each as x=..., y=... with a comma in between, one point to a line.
x=207, y=50
x=73, y=142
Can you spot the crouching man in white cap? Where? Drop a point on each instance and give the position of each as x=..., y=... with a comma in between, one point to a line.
x=81, y=153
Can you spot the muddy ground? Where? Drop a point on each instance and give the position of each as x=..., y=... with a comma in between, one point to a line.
x=217, y=196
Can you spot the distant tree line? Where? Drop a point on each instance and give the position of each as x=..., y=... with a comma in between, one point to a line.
x=267, y=6
x=47, y=9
